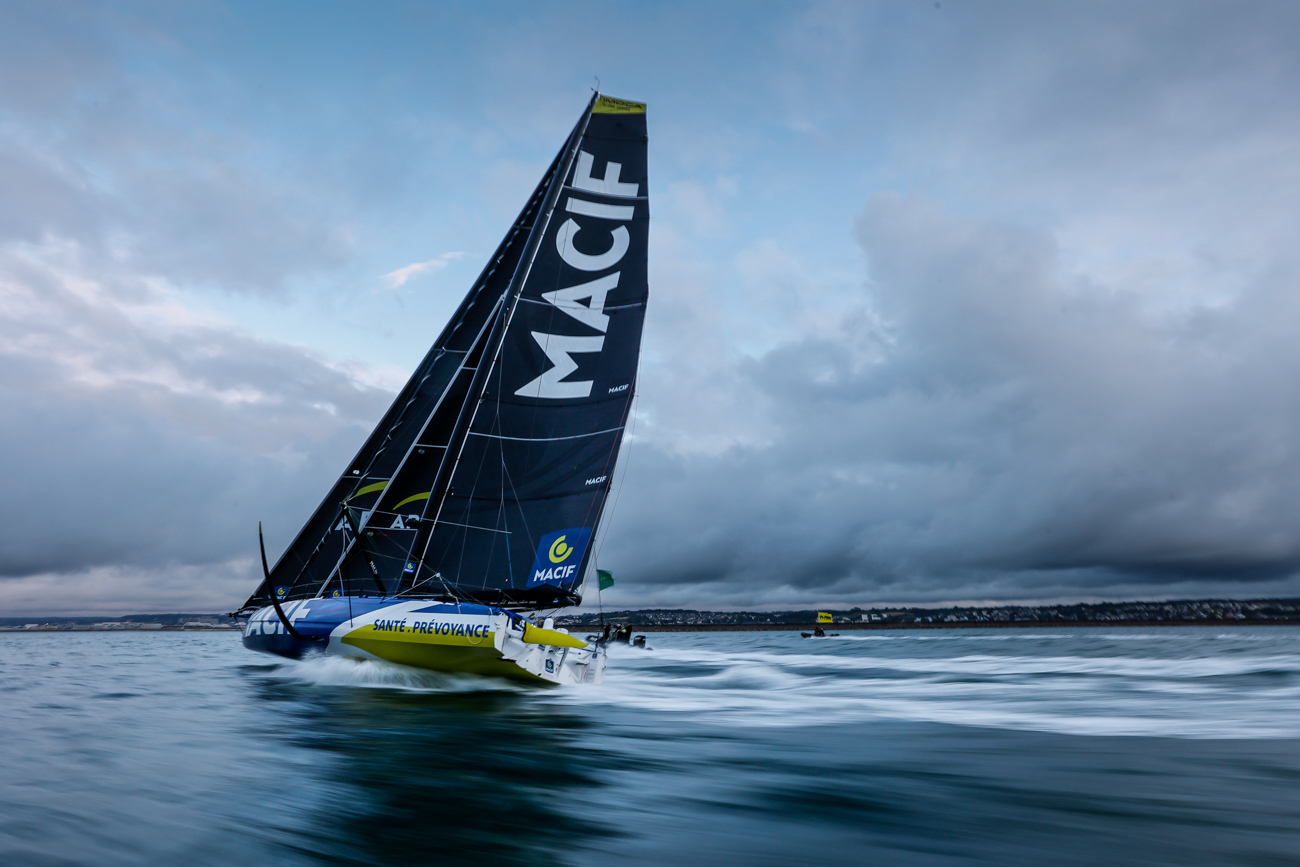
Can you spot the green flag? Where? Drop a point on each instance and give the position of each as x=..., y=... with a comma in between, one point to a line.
x=605, y=579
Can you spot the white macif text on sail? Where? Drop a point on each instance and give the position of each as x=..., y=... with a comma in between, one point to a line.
x=560, y=348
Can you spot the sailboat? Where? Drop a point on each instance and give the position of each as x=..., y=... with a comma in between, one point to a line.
x=476, y=502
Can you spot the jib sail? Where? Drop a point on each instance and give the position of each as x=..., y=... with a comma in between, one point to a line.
x=487, y=478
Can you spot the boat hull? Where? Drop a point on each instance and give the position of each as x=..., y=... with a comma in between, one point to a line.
x=449, y=637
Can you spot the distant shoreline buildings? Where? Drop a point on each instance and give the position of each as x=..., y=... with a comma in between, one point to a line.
x=1189, y=611
x=128, y=623
x=1185, y=612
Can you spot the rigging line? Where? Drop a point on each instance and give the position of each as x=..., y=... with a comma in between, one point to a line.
x=464, y=541
x=532, y=542
x=494, y=425
x=501, y=504
x=338, y=567
x=470, y=392
x=361, y=546
x=329, y=525
x=532, y=420
x=515, y=290
x=311, y=557
x=627, y=462
x=482, y=334
x=461, y=368
x=498, y=362
x=572, y=148
x=449, y=589
x=510, y=563
x=503, y=251
x=463, y=312
x=457, y=596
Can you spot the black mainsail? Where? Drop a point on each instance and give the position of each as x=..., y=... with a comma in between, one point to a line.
x=486, y=479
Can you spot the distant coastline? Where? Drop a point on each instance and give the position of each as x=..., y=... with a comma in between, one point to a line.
x=1183, y=612
x=872, y=627
x=127, y=623
x=1186, y=612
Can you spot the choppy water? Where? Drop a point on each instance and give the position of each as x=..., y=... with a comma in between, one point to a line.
x=1162, y=746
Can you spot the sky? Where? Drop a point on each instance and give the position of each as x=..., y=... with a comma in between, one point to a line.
x=950, y=301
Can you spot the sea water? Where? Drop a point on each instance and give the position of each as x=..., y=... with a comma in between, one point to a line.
x=1169, y=745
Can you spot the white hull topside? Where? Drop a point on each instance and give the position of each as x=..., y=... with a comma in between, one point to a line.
x=437, y=636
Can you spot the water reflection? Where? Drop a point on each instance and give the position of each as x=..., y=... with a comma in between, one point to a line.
x=406, y=778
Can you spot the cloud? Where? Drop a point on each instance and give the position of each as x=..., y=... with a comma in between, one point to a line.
x=986, y=424
x=398, y=278
x=145, y=440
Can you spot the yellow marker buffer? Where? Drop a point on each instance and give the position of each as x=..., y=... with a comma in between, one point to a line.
x=537, y=635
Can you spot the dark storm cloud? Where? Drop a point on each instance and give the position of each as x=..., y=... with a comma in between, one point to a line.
x=986, y=425
x=1071, y=369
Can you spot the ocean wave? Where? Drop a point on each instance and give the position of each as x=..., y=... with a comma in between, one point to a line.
x=1151, y=691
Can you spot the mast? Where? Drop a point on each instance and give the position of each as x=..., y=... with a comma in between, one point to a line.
x=319, y=548
x=504, y=317
x=517, y=508
x=499, y=451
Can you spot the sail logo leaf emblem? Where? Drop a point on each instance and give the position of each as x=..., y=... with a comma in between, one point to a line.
x=559, y=556
x=559, y=551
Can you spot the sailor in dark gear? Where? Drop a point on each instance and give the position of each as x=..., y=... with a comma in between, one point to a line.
x=819, y=632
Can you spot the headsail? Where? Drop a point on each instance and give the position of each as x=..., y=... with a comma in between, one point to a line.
x=487, y=478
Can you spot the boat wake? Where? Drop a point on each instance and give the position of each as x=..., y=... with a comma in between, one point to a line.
x=1070, y=684
x=343, y=671
x=1232, y=686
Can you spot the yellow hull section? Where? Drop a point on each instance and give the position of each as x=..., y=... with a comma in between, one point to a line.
x=493, y=645
x=484, y=660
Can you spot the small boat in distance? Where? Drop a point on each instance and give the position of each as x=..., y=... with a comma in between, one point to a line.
x=818, y=631
x=477, y=499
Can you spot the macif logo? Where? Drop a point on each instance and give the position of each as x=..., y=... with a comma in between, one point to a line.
x=559, y=555
x=560, y=551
